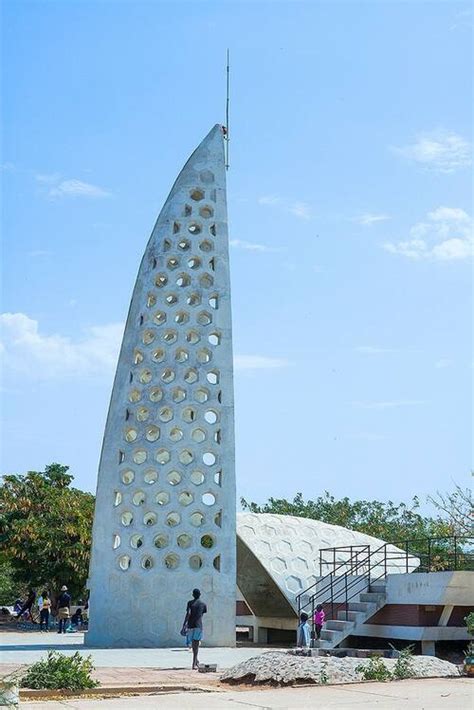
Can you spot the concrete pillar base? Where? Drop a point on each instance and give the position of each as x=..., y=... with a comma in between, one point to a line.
x=428, y=648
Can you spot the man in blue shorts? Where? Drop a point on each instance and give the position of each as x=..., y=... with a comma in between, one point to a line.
x=193, y=621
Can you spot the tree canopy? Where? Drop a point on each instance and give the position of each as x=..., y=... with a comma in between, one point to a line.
x=45, y=530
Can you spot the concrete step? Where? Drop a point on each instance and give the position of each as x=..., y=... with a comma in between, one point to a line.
x=361, y=606
x=334, y=637
x=378, y=588
x=354, y=616
x=336, y=625
x=375, y=597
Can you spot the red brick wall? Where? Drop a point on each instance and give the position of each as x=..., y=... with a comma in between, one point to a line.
x=458, y=614
x=416, y=615
x=406, y=615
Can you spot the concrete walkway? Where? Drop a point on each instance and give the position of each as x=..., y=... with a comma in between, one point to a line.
x=433, y=693
x=19, y=648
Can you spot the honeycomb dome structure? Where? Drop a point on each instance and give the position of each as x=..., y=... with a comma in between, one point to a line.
x=285, y=550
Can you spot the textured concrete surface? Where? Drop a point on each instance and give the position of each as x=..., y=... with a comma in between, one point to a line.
x=286, y=549
x=165, y=510
x=435, y=694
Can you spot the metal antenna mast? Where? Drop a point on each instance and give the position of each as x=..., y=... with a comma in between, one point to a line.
x=227, y=114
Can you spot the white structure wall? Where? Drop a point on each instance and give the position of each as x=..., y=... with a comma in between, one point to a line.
x=165, y=510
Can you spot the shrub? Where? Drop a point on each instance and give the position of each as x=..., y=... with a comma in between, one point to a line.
x=323, y=675
x=60, y=671
x=375, y=669
x=404, y=666
x=469, y=619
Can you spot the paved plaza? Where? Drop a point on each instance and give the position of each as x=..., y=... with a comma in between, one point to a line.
x=171, y=667
x=435, y=694
x=19, y=648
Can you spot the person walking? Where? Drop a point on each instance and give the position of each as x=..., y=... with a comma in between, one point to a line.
x=64, y=606
x=195, y=610
x=45, y=611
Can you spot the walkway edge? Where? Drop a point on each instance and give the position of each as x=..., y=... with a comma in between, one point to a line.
x=110, y=691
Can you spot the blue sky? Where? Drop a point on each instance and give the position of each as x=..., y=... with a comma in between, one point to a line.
x=350, y=220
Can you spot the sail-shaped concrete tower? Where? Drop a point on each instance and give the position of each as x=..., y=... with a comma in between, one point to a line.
x=165, y=511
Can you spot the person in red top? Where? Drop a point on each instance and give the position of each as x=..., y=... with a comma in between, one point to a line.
x=319, y=617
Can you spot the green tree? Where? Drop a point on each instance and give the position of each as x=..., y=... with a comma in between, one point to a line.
x=9, y=589
x=458, y=506
x=45, y=529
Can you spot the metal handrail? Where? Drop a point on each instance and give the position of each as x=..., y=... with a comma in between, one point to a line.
x=330, y=580
x=354, y=563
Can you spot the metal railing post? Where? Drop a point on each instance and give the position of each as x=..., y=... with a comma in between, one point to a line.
x=347, y=609
x=332, y=601
x=406, y=556
x=429, y=554
x=455, y=553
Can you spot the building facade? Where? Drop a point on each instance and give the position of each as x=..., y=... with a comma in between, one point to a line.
x=165, y=519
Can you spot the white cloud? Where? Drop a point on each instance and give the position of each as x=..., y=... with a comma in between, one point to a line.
x=390, y=404
x=448, y=214
x=48, y=178
x=299, y=209
x=462, y=19
x=38, y=252
x=77, y=188
x=258, y=362
x=28, y=351
x=442, y=151
x=445, y=235
x=369, y=218
x=269, y=200
x=368, y=436
x=249, y=246
x=374, y=350
x=443, y=363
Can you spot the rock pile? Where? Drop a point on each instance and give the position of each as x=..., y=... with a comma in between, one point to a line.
x=282, y=668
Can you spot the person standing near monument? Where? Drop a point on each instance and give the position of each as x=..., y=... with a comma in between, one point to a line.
x=304, y=634
x=44, y=611
x=64, y=605
x=319, y=618
x=195, y=610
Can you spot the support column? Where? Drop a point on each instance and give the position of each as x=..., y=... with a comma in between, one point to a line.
x=428, y=648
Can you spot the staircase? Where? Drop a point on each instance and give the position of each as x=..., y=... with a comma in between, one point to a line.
x=350, y=593
x=364, y=606
x=351, y=585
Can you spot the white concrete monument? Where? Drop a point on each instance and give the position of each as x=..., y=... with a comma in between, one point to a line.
x=165, y=512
